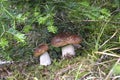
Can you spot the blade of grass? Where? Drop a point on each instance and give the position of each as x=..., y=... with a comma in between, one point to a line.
x=100, y=34
x=110, y=72
x=78, y=71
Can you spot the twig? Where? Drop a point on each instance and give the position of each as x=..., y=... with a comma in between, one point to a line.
x=114, y=55
x=100, y=72
x=86, y=75
x=112, y=49
x=98, y=21
x=65, y=70
x=116, y=77
x=117, y=10
x=105, y=62
x=5, y=62
x=109, y=39
x=116, y=23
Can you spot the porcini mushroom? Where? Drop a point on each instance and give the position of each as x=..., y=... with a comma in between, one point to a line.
x=67, y=40
x=44, y=56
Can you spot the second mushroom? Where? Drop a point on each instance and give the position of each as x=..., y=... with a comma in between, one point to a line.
x=66, y=41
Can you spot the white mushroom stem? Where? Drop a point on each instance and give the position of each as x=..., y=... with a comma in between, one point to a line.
x=68, y=51
x=45, y=59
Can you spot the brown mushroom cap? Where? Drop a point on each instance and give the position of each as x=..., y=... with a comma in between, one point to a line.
x=42, y=48
x=64, y=39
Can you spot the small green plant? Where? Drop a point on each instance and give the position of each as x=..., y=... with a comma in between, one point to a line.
x=116, y=69
x=84, y=10
x=3, y=43
x=17, y=35
x=17, y=21
x=48, y=19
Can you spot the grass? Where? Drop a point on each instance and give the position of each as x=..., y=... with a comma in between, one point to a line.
x=59, y=70
x=77, y=68
x=97, y=59
x=96, y=62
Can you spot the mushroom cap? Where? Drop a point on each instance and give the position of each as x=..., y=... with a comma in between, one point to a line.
x=42, y=48
x=64, y=39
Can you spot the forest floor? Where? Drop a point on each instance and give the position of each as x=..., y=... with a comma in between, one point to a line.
x=76, y=68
